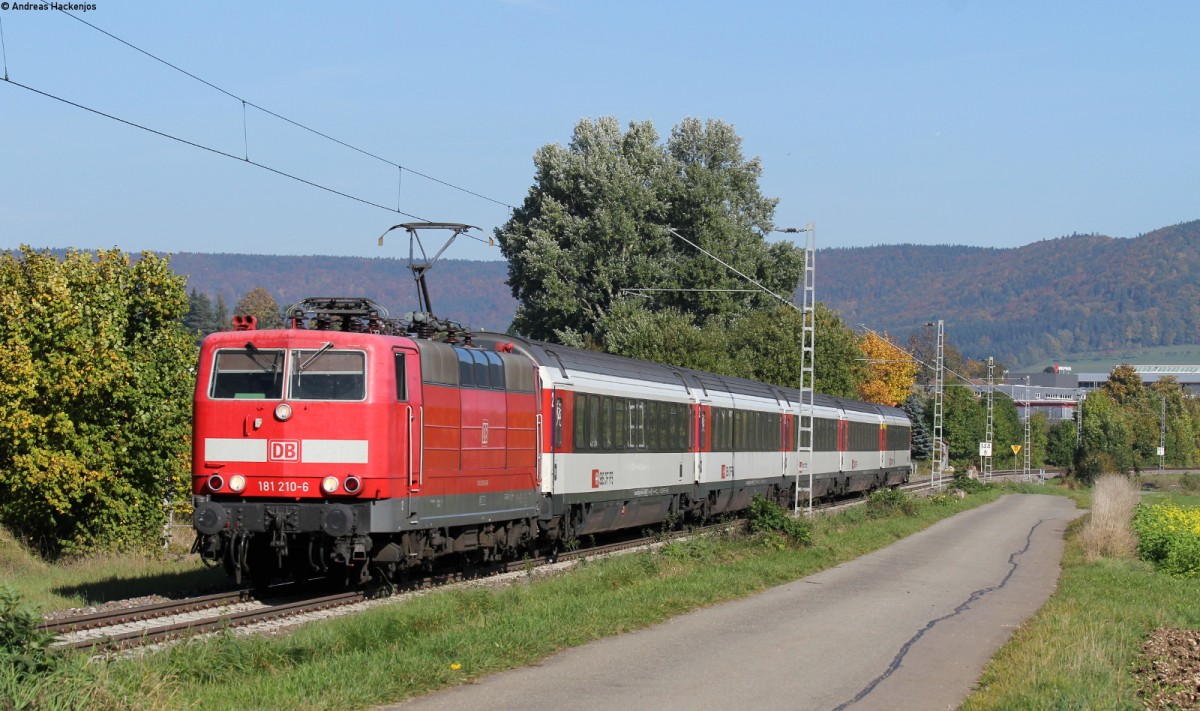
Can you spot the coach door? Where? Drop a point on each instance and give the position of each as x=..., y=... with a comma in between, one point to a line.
x=882, y=443
x=408, y=444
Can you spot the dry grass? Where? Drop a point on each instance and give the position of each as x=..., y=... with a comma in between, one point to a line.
x=1108, y=533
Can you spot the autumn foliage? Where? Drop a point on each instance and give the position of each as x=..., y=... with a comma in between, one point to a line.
x=95, y=384
x=891, y=373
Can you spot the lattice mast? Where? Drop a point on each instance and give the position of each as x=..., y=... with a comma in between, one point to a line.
x=989, y=434
x=807, y=363
x=1028, y=417
x=939, y=446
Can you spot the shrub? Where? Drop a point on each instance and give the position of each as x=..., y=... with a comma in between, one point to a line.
x=890, y=502
x=1190, y=483
x=776, y=526
x=1093, y=465
x=967, y=485
x=24, y=649
x=1169, y=538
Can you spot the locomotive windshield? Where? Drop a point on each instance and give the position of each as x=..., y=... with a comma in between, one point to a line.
x=315, y=374
x=249, y=373
x=327, y=374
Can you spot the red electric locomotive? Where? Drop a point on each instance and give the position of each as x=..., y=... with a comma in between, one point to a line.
x=316, y=449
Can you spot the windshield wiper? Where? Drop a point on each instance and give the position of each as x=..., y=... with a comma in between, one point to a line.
x=252, y=351
x=304, y=366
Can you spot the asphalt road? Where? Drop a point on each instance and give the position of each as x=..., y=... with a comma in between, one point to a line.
x=907, y=627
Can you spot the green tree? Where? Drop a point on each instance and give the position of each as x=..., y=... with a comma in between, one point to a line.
x=95, y=397
x=667, y=336
x=220, y=320
x=1124, y=385
x=840, y=367
x=922, y=442
x=1039, y=432
x=963, y=426
x=261, y=305
x=762, y=345
x=1060, y=444
x=1007, y=430
x=1106, y=444
x=598, y=217
x=767, y=346
x=201, y=316
x=1181, y=439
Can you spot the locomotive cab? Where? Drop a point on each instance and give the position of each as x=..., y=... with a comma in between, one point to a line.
x=296, y=433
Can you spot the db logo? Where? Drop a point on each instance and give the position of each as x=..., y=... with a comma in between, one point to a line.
x=284, y=450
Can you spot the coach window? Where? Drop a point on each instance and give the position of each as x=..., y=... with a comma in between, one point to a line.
x=606, y=417
x=593, y=428
x=619, y=424
x=556, y=434
x=580, y=420
x=653, y=426
x=637, y=424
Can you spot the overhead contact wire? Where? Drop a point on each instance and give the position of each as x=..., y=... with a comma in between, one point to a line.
x=216, y=151
x=4, y=50
x=297, y=124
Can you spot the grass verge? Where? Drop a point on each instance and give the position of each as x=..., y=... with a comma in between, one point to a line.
x=1077, y=652
x=404, y=650
x=88, y=581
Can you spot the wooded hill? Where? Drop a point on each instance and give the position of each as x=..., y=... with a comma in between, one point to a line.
x=1076, y=294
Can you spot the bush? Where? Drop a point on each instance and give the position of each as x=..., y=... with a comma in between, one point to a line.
x=890, y=502
x=1169, y=538
x=1190, y=483
x=1093, y=465
x=24, y=649
x=967, y=485
x=776, y=526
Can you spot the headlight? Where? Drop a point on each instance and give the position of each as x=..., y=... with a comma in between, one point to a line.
x=237, y=483
x=283, y=412
x=215, y=482
x=353, y=485
x=329, y=484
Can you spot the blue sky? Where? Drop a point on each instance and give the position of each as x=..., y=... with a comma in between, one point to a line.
x=951, y=122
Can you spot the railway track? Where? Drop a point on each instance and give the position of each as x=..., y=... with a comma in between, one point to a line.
x=122, y=629
x=158, y=622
